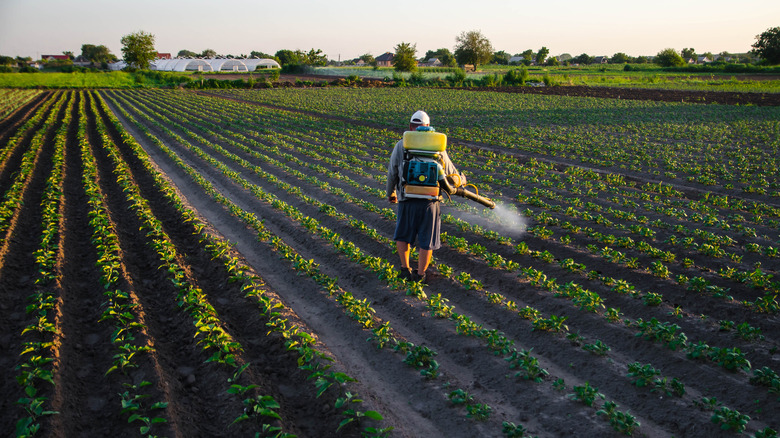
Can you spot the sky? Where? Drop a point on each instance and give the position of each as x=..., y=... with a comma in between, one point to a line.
x=347, y=29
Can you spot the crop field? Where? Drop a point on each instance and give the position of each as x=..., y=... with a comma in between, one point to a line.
x=179, y=263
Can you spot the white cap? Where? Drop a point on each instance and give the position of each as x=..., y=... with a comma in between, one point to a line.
x=421, y=118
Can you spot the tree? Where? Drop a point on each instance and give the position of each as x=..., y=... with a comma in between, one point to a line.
x=368, y=59
x=669, y=58
x=619, y=58
x=688, y=53
x=138, y=49
x=500, y=58
x=528, y=56
x=260, y=55
x=472, y=48
x=552, y=61
x=208, y=53
x=315, y=57
x=7, y=60
x=767, y=46
x=97, y=54
x=443, y=55
x=186, y=54
x=541, y=55
x=404, y=59
x=583, y=59
x=289, y=57
x=69, y=54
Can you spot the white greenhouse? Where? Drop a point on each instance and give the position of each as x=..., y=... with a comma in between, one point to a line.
x=254, y=64
x=225, y=64
x=181, y=64
x=213, y=64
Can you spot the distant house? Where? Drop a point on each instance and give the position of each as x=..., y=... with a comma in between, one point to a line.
x=82, y=61
x=516, y=60
x=703, y=60
x=50, y=58
x=433, y=62
x=385, y=59
x=600, y=59
x=163, y=55
x=360, y=62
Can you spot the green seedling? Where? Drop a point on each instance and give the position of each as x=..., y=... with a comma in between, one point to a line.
x=480, y=412
x=586, y=394
x=730, y=419
x=460, y=396
x=598, y=348
x=512, y=430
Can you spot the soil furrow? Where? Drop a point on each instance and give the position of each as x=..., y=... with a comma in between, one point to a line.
x=10, y=125
x=17, y=278
x=10, y=166
x=195, y=390
x=83, y=392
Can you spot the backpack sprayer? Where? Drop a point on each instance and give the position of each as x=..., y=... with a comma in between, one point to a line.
x=424, y=175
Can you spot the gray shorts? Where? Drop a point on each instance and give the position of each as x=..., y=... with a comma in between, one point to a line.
x=419, y=220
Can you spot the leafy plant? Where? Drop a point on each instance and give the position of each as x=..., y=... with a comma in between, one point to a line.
x=512, y=430
x=598, y=348
x=622, y=422
x=528, y=366
x=460, y=396
x=586, y=394
x=730, y=419
x=480, y=412
x=731, y=359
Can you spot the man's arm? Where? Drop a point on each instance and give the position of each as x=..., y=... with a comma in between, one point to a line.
x=392, y=175
x=449, y=168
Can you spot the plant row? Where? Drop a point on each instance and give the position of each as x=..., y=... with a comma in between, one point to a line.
x=39, y=336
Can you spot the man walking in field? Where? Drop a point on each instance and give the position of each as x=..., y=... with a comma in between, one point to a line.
x=418, y=219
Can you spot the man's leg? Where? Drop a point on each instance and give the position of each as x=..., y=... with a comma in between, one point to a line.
x=403, y=253
x=424, y=260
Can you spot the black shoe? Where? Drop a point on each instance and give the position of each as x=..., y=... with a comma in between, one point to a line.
x=418, y=278
x=405, y=274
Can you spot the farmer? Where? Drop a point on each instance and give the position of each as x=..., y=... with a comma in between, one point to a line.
x=418, y=219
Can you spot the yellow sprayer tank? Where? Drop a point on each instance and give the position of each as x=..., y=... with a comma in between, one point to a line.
x=428, y=141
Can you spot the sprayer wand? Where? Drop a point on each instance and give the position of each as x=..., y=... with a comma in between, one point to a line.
x=446, y=184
